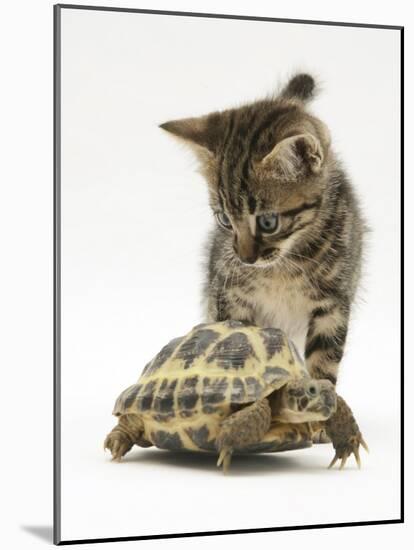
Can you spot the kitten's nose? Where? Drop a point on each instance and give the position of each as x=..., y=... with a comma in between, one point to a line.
x=251, y=259
x=247, y=254
x=245, y=246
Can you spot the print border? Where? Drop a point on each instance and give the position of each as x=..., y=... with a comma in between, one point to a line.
x=57, y=9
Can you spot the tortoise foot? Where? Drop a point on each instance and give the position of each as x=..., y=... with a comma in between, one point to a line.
x=344, y=451
x=346, y=437
x=242, y=428
x=118, y=443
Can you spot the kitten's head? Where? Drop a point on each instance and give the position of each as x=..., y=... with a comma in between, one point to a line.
x=265, y=164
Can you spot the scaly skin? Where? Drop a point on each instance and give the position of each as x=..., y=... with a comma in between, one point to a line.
x=345, y=434
x=243, y=428
x=127, y=433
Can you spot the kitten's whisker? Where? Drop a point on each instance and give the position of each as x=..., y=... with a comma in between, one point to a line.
x=225, y=261
x=289, y=253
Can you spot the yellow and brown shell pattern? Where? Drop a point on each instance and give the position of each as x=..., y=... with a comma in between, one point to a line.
x=197, y=380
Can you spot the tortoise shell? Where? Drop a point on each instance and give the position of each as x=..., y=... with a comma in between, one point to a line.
x=197, y=380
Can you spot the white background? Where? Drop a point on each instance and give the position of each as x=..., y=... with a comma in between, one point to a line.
x=27, y=328
x=134, y=218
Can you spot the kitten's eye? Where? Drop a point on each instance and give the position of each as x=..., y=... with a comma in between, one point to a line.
x=267, y=222
x=223, y=220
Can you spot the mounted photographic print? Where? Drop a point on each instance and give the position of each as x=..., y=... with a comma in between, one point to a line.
x=227, y=274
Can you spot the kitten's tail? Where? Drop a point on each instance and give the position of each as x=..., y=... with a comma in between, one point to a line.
x=302, y=86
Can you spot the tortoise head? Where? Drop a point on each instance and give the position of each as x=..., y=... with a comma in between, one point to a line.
x=305, y=400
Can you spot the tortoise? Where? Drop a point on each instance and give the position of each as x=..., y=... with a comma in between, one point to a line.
x=231, y=387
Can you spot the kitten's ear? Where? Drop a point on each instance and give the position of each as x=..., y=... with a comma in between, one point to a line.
x=294, y=158
x=202, y=131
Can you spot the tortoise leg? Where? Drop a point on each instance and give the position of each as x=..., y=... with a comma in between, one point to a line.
x=128, y=432
x=319, y=434
x=344, y=432
x=284, y=437
x=241, y=429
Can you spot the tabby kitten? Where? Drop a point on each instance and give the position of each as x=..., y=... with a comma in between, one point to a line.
x=286, y=251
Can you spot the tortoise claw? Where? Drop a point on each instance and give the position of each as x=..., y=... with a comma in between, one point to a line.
x=224, y=459
x=357, y=457
x=362, y=441
x=343, y=461
x=345, y=451
x=333, y=461
x=118, y=444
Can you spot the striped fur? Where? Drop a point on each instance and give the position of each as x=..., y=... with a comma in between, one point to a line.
x=273, y=156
